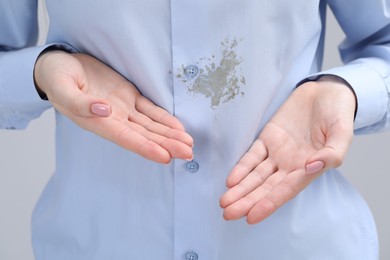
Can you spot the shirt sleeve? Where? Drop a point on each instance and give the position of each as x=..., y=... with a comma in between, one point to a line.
x=19, y=100
x=366, y=54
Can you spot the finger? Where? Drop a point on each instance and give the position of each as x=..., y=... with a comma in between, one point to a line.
x=128, y=138
x=146, y=107
x=256, y=154
x=253, y=180
x=242, y=207
x=160, y=129
x=280, y=194
x=176, y=149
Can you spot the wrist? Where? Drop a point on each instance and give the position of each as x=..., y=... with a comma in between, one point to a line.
x=330, y=86
x=37, y=71
x=337, y=81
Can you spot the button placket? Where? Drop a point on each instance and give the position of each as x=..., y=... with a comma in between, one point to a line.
x=187, y=178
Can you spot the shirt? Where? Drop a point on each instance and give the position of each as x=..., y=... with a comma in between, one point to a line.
x=222, y=68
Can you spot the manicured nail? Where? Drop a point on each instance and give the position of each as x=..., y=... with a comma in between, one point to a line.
x=100, y=109
x=314, y=167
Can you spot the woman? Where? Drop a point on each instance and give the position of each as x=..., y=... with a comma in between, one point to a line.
x=160, y=106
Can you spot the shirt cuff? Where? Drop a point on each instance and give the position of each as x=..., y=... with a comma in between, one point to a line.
x=371, y=89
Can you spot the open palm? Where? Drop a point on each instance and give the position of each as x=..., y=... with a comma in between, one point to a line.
x=100, y=100
x=310, y=133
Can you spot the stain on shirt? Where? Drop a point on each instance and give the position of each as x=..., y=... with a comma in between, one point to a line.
x=222, y=80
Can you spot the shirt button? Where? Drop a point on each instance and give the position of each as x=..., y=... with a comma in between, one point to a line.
x=191, y=71
x=191, y=256
x=192, y=166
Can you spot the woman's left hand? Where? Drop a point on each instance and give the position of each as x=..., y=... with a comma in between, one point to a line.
x=309, y=134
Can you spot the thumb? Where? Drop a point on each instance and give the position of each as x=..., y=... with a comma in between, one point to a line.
x=332, y=154
x=85, y=105
x=100, y=109
x=326, y=158
x=80, y=103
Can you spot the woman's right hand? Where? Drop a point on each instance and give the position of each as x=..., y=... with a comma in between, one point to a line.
x=100, y=100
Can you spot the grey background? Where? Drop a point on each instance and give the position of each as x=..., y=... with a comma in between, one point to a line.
x=27, y=161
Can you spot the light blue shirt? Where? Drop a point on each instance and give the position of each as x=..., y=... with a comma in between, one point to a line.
x=223, y=68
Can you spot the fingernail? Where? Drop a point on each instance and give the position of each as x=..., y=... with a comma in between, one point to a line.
x=314, y=167
x=100, y=109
